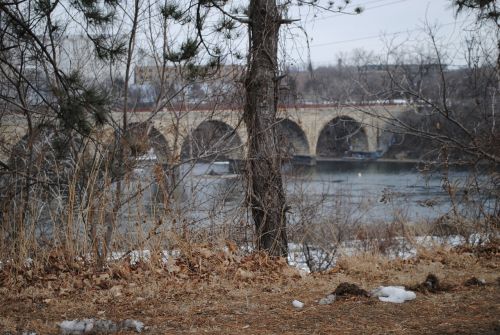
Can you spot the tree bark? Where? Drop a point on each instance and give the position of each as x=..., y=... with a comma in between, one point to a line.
x=265, y=192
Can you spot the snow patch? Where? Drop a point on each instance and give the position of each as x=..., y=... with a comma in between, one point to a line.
x=138, y=326
x=76, y=326
x=395, y=294
x=86, y=326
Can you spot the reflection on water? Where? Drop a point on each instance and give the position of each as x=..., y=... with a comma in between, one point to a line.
x=372, y=191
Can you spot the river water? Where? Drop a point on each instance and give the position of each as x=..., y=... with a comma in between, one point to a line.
x=363, y=191
x=346, y=193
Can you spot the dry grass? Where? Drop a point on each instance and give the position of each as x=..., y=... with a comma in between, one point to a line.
x=217, y=291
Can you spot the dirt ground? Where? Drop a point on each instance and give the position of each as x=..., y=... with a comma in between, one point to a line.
x=218, y=293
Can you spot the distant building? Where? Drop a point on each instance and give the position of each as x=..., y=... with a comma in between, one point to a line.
x=151, y=74
x=199, y=85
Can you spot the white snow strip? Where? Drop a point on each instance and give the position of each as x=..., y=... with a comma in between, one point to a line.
x=138, y=326
x=86, y=326
x=75, y=327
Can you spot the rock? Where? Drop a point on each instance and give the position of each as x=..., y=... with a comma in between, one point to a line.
x=475, y=282
x=327, y=300
x=348, y=289
x=431, y=284
x=297, y=304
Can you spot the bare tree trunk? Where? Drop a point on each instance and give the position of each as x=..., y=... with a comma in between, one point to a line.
x=265, y=187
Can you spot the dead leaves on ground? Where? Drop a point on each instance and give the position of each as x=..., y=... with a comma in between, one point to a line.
x=63, y=277
x=206, y=263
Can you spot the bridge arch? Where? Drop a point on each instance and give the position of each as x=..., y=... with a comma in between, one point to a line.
x=49, y=146
x=212, y=140
x=292, y=138
x=45, y=154
x=146, y=142
x=341, y=137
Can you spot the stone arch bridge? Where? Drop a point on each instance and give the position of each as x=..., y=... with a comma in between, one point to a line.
x=308, y=131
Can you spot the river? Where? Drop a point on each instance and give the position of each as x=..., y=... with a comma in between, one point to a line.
x=365, y=191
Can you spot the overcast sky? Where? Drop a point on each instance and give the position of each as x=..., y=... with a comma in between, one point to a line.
x=332, y=35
